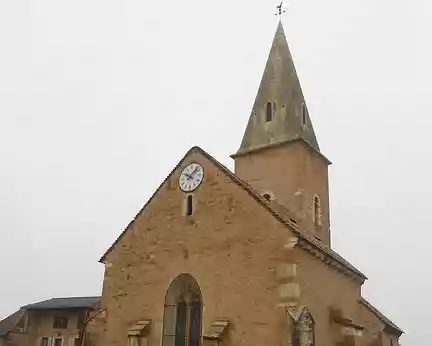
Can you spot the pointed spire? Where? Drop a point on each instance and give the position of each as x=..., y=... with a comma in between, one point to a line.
x=279, y=113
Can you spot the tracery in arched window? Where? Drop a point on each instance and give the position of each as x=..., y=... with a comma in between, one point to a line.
x=303, y=330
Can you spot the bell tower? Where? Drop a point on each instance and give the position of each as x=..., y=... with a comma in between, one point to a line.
x=279, y=154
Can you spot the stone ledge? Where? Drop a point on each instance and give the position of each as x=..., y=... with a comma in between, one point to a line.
x=141, y=328
x=216, y=330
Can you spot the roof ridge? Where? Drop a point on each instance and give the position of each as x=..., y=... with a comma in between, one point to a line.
x=54, y=298
x=65, y=302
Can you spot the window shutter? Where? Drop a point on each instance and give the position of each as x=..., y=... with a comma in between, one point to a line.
x=72, y=341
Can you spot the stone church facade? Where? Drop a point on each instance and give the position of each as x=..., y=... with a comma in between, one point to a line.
x=243, y=258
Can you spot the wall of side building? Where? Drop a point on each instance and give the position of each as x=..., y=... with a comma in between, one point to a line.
x=40, y=325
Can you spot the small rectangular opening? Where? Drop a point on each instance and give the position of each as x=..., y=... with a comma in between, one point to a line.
x=189, y=206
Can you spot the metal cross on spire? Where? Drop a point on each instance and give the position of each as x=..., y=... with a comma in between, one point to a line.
x=280, y=10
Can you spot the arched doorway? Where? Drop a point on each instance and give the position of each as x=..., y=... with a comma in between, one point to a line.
x=183, y=313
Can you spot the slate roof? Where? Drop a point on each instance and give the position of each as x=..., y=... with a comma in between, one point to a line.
x=65, y=303
x=381, y=316
x=9, y=323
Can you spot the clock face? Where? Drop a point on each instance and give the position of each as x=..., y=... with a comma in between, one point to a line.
x=191, y=177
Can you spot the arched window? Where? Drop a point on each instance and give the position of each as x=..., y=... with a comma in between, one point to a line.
x=189, y=205
x=183, y=313
x=269, y=111
x=303, y=330
x=317, y=211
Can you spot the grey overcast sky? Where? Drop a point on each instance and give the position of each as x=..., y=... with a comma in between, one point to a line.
x=99, y=99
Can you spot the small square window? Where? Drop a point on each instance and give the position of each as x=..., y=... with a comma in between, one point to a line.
x=60, y=322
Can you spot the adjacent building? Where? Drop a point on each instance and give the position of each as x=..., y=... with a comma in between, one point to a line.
x=53, y=322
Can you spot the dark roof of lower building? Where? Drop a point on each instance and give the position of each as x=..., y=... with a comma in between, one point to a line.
x=65, y=303
x=9, y=323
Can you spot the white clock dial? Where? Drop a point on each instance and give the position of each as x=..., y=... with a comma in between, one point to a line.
x=191, y=177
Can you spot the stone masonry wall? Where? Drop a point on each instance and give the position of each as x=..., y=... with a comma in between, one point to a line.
x=294, y=174
x=234, y=248
x=231, y=245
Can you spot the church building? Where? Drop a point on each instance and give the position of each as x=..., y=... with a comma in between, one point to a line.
x=244, y=258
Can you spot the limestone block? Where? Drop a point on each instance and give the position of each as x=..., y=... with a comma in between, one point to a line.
x=289, y=291
x=287, y=271
x=352, y=331
x=291, y=243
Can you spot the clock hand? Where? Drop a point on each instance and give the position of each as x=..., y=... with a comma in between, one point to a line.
x=194, y=171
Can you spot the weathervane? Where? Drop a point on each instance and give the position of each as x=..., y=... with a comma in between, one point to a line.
x=280, y=10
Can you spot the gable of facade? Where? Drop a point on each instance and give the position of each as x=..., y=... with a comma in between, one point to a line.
x=230, y=244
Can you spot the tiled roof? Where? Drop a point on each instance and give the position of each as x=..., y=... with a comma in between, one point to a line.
x=9, y=323
x=381, y=316
x=65, y=303
x=278, y=211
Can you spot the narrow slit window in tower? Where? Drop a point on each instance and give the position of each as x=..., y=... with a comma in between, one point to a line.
x=317, y=211
x=269, y=111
